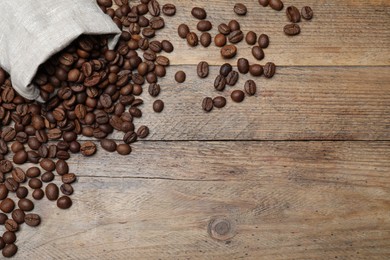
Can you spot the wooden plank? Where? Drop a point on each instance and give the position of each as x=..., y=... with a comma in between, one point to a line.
x=352, y=32
x=308, y=103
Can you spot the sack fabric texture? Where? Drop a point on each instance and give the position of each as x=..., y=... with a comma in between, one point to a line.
x=34, y=30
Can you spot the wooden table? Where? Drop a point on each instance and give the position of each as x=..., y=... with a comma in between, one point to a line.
x=301, y=171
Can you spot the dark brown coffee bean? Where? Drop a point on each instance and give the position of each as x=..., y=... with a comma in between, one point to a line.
x=157, y=23
x=237, y=96
x=130, y=137
x=258, y=53
x=68, y=178
x=26, y=204
x=148, y=32
x=292, y=29
x=264, y=2
x=158, y=106
x=167, y=46
x=154, y=8
x=10, y=250
x=180, y=76
x=32, y=219
x=250, y=87
x=47, y=177
x=20, y=157
x=64, y=202
x=154, y=89
x=74, y=147
x=38, y=194
x=183, y=31
x=263, y=41
x=240, y=9
x=225, y=69
x=155, y=46
x=2, y=243
x=251, y=38
x=8, y=94
x=199, y=13
x=7, y=205
x=219, y=102
x=105, y=101
x=220, y=40
x=33, y=172
x=11, y=184
x=8, y=133
x=123, y=149
x=205, y=39
x=276, y=4
x=3, y=192
x=47, y=165
x=224, y=29
x=52, y=151
x=67, y=189
x=293, y=14
x=9, y=237
x=232, y=78
x=256, y=70
x=35, y=183
x=192, y=39
x=228, y=51
x=169, y=9
x=3, y=218
x=18, y=216
x=236, y=36
x=243, y=65
x=162, y=60
x=5, y=166
x=234, y=25
x=207, y=104
x=88, y=148
x=108, y=145
x=143, y=132
x=18, y=175
x=269, y=69
x=21, y=192
x=307, y=13
x=11, y=225
x=203, y=69
x=220, y=83
x=135, y=112
x=204, y=26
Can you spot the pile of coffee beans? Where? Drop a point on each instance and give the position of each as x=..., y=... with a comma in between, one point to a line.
x=92, y=91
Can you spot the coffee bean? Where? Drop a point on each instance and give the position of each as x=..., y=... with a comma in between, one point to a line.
x=135, y=112
x=220, y=40
x=11, y=225
x=47, y=164
x=224, y=29
x=199, y=13
x=183, y=31
x=225, y=69
x=3, y=218
x=47, y=177
x=203, y=69
x=18, y=175
x=38, y=194
x=143, y=132
x=154, y=8
x=130, y=137
x=167, y=46
x=68, y=178
x=15, y=147
x=3, y=192
x=33, y=172
x=123, y=149
x=8, y=133
x=293, y=14
x=64, y=202
x=11, y=184
x=10, y=250
x=18, y=216
x=105, y=3
x=162, y=60
x=264, y=2
x=234, y=25
x=108, y=145
x=263, y=41
x=2, y=243
x=67, y=189
x=237, y=96
x=219, y=102
x=52, y=191
x=243, y=65
x=250, y=87
x=207, y=104
x=292, y=29
x=251, y=38
x=180, y=76
x=88, y=148
x=32, y=219
x=269, y=69
x=256, y=70
x=236, y=36
x=232, y=78
x=35, y=183
x=73, y=75
x=169, y=9
x=204, y=26
x=5, y=166
x=21, y=192
x=158, y=106
x=7, y=205
x=205, y=39
x=220, y=83
x=157, y=23
x=26, y=204
x=240, y=9
x=154, y=89
x=307, y=13
x=9, y=237
x=228, y=51
x=192, y=39
x=258, y=53
x=276, y=4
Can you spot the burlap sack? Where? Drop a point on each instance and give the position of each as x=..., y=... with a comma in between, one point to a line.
x=31, y=31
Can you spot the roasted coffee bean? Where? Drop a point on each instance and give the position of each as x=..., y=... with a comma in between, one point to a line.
x=35, y=183
x=219, y=102
x=251, y=38
x=52, y=191
x=292, y=29
x=157, y=23
x=67, y=189
x=11, y=184
x=20, y=157
x=64, y=202
x=10, y=250
x=3, y=192
x=180, y=76
x=33, y=172
x=204, y=26
x=220, y=83
x=9, y=237
x=108, y=145
x=32, y=219
x=236, y=36
x=203, y=69
x=205, y=39
x=38, y=194
x=47, y=177
x=105, y=3
x=167, y=46
x=158, y=106
x=130, y=137
x=293, y=14
x=154, y=89
x=225, y=69
x=263, y=41
x=135, y=112
x=256, y=70
x=220, y=40
x=88, y=148
x=15, y=146
x=237, y=96
x=2, y=243
x=224, y=29
x=18, y=216
x=47, y=165
x=143, y=132
x=148, y=32
x=199, y=13
x=258, y=53
x=11, y=225
x=276, y=4
x=183, y=31
x=68, y=178
x=250, y=87
x=5, y=166
x=8, y=133
x=123, y=149
x=243, y=65
x=169, y=9
x=7, y=205
x=26, y=204
x=18, y=175
x=307, y=13
x=207, y=104
x=154, y=8
x=228, y=51
x=234, y=25
x=240, y=9
x=269, y=70
x=192, y=39
x=33, y=157
x=162, y=60
x=21, y=192
x=74, y=147
x=264, y=2
x=52, y=151
x=232, y=78
x=3, y=218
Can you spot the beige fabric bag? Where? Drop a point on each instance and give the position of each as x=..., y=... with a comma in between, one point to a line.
x=31, y=31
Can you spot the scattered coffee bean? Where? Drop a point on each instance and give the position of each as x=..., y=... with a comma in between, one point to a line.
x=228, y=51
x=88, y=148
x=250, y=87
x=204, y=26
x=180, y=76
x=169, y=9
x=234, y=25
x=143, y=132
x=292, y=29
x=108, y=145
x=183, y=30
x=240, y=9
x=269, y=69
x=38, y=194
x=32, y=220
x=207, y=104
x=205, y=39
x=293, y=14
x=9, y=237
x=258, y=53
x=192, y=39
x=256, y=70
x=26, y=204
x=232, y=78
x=251, y=38
x=219, y=102
x=236, y=36
x=9, y=250
x=220, y=83
x=238, y=96
x=263, y=41
x=243, y=65
x=123, y=149
x=158, y=106
x=307, y=13
x=276, y=4
x=203, y=69
x=220, y=40
x=154, y=89
x=224, y=29
x=264, y=2
x=66, y=189
x=7, y=205
x=64, y=202
x=18, y=216
x=199, y=13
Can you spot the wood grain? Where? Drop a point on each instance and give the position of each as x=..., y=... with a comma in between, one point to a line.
x=354, y=32
x=283, y=200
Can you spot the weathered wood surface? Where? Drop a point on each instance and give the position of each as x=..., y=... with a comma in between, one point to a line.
x=303, y=200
